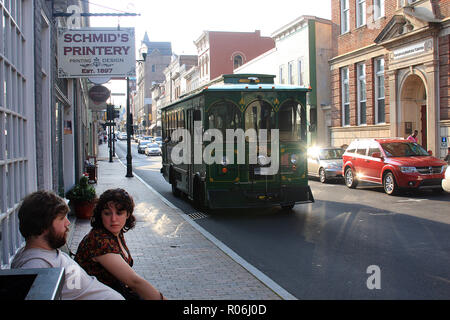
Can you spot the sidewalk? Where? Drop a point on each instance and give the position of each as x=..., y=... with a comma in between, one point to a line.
x=169, y=251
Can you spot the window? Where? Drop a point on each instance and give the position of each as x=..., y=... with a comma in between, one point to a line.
x=360, y=13
x=300, y=75
x=361, y=74
x=291, y=72
x=153, y=68
x=237, y=61
x=345, y=97
x=282, y=80
x=380, y=116
x=292, y=122
x=345, y=16
x=260, y=115
x=378, y=9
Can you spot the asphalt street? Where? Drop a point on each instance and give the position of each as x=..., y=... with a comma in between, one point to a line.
x=329, y=249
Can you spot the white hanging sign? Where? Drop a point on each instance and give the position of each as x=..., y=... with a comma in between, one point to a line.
x=96, y=52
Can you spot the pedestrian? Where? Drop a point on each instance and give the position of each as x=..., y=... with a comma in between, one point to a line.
x=44, y=225
x=447, y=157
x=413, y=137
x=103, y=252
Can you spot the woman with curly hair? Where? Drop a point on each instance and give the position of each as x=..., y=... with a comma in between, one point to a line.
x=103, y=252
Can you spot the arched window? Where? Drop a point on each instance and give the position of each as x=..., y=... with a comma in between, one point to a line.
x=237, y=61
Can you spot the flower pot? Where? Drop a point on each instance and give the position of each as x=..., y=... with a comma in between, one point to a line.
x=84, y=209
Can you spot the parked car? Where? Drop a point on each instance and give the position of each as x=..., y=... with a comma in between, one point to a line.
x=142, y=145
x=158, y=140
x=122, y=136
x=145, y=138
x=153, y=149
x=446, y=180
x=325, y=163
x=394, y=163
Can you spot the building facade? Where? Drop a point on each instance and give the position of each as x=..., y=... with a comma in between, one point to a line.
x=149, y=72
x=300, y=57
x=221, y=52
x=44, y=121
x=390, y=70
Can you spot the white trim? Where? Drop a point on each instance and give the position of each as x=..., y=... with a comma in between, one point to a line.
x=17, y=122
x=345, y=72
x=376, y=75
x=345, y=14
x=361, y=76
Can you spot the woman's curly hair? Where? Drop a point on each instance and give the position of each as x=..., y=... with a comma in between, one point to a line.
x=122, y=201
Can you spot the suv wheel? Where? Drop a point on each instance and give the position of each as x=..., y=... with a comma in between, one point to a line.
x=350, y=180
x=322, y=176
x=389, y=184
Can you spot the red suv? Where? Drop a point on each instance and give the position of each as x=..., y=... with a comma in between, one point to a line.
x=394, y=163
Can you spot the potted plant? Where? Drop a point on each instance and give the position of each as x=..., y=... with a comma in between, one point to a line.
x=82, y=197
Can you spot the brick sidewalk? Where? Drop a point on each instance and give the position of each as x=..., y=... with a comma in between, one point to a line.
x=168, y=251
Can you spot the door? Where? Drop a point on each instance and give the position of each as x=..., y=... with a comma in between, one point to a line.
x=423, y=121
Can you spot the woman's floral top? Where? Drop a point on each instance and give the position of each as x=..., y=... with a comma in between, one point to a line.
x=97, y=243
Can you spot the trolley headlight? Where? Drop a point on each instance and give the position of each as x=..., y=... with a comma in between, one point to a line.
x=263, y=160
x=224, y=161
x=294, y=158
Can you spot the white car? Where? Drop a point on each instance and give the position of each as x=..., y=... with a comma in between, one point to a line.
x=446, y=180
x=153, y=149
x=158, y=140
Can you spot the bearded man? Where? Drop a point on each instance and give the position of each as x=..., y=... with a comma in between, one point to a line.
x=44, y=225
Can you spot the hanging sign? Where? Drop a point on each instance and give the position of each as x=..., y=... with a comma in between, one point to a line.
x=96, y=52
x=99, y=94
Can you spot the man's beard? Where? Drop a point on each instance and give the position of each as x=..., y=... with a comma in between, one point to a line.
x=55, y=240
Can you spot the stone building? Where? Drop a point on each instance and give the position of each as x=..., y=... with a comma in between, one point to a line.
x=390, y=70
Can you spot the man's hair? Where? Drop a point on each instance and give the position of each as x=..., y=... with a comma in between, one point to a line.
x=37, y=212
x=122, y=200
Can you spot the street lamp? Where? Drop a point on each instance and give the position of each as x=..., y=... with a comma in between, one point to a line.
x=143, y=54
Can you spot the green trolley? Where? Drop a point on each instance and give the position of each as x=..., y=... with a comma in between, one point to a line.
x=238, y=169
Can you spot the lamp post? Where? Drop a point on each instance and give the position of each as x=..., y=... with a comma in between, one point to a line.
x=143, y=54
x=129, y=158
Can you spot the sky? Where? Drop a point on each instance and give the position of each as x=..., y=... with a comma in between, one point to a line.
x=182, y=22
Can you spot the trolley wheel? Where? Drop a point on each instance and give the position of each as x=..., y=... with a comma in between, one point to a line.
x=350, y=179
x=389, y=184
x=199, y=195
x=322, y=176
x=175, y=191
x=288, y=207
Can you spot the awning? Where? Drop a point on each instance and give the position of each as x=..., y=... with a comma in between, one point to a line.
x=152, y=126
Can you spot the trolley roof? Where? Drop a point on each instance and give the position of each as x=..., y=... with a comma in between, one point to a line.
x=241, y=82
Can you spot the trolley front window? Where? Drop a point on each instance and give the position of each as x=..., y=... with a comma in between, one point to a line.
x=224, y=115
x=260, y=115
x=292, y=122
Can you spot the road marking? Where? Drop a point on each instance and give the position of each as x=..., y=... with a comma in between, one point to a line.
x=280, y=291
x=412, y=200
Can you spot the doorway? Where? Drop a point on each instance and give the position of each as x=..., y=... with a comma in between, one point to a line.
x=413, y=108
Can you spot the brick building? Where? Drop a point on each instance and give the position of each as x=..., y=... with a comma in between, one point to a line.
x=390, y=70
x=220, y=52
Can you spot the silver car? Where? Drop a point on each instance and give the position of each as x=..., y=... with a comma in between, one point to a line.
x=325, y=163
